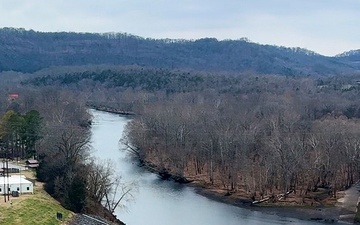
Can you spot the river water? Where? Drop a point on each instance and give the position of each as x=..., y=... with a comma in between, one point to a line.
x=160, y=202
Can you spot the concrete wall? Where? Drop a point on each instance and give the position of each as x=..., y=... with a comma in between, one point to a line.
x=25, y=188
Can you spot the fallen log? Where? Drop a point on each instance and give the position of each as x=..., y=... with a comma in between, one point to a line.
x=278, y=197
x=261, y=200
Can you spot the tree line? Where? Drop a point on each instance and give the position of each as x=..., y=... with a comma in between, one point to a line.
x=20, y=133
x=295, y=136
x=250, y=133
x=29, y=51
x=52, y=125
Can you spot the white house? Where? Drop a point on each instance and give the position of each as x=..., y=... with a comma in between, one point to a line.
x=15, y=183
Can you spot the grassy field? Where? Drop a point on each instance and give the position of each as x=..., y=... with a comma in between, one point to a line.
x=39, y=208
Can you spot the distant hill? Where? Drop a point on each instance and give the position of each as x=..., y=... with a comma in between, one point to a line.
x=351, y=57
x=29, y=51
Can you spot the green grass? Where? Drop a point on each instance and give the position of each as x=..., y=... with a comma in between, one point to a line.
x=39, y=208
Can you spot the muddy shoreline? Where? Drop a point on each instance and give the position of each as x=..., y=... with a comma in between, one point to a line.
x=318, y=214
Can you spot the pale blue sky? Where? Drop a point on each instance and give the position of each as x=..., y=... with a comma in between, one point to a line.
x=328, y=27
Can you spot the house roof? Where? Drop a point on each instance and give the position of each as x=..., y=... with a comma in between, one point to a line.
x=32, y=161
x=15, y=179
x=32, y=165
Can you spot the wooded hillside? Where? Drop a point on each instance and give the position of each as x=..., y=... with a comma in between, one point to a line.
x=29, y=51
x=52, y=126
x=255, y=134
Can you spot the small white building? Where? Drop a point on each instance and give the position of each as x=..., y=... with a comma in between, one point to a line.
x=15, y=183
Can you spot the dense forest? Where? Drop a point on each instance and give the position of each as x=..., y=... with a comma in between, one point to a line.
x=53, y=127
x=251, y=135
x=259, y=143
x=29, y=51
x=248, y=119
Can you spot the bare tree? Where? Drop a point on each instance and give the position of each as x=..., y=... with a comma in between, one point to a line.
x=107, y=188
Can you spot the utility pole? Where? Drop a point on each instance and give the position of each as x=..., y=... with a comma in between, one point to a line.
x=2, y=153
x=19, y=176
x=7, y=175
x=4, y=178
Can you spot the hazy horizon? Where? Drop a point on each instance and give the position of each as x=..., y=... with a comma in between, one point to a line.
x=326, y=27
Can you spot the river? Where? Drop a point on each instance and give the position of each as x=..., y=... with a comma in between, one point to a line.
x=160, y=202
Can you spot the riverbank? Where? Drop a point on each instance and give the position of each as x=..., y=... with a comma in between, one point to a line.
x=36, y=208
x=110, y=110
x=42, y=208
x=89, y=220
x=318, y=213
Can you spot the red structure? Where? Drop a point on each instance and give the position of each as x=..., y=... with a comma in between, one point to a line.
x=13, y=96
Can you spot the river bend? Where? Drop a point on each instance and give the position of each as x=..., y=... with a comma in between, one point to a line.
x=160, y=202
